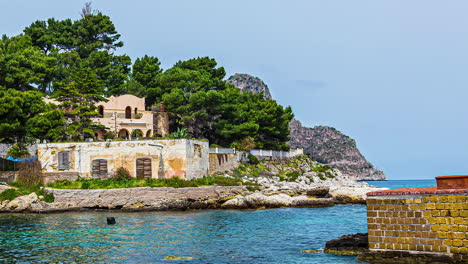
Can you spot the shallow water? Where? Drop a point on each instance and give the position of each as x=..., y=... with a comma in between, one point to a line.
x=211, y=236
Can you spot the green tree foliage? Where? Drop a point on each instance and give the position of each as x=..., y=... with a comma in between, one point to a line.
x=48, y=125
x=78, y=96
x=74, y=62
x=26, y=114
x=144, y=80
x=22, y=65
x=200, y=101
x=93, y=39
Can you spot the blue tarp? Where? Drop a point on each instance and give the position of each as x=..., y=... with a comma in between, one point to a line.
x=32, y=159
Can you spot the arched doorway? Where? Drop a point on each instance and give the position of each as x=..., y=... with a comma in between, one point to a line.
x=137, y=133
x=148, y=133
x=128, y=112
x=143, y=168
x=123, y=133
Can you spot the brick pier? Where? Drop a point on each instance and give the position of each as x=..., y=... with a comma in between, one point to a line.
x=417, y=223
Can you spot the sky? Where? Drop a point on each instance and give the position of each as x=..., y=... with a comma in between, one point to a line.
x=391, y=74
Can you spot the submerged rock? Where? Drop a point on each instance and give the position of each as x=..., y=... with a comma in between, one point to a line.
x=348, y=245
x=309, y=251
x=178, y=258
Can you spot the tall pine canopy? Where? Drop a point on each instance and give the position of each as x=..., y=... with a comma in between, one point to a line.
x=75, y=62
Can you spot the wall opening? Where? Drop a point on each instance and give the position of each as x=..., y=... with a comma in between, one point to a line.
x=64, y=160
x=99, y=167
x=143, y=168
x=123, y=133
x=128, y=112
x=101, y=110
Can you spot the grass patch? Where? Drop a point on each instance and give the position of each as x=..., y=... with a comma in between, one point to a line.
x=132, y=183
x=24, y=189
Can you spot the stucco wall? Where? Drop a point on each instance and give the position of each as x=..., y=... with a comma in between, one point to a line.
x=169, y=158
x=197, y=158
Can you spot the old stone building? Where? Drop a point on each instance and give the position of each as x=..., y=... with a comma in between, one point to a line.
x=183, y=158
x=125, y=115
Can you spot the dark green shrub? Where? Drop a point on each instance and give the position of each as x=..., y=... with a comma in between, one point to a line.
x=122, y=174
x=85, y=185
x=252, y=159
x=137, y=133
x=109, y=135
x=9, y=194
x=49, y=198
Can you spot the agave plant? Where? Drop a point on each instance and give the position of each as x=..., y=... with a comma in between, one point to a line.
x=180, y=133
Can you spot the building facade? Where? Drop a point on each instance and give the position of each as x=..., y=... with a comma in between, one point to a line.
x=183, y=158
x=126, y=116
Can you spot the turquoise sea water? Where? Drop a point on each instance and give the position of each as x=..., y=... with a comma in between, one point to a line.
x=211, y=236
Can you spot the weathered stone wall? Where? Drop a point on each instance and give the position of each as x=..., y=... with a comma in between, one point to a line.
x=32, y=149
x=223, y=162
x=169, y=158
x=7, y=176
x=50, y=177
x=435, y=223
x=197, y=159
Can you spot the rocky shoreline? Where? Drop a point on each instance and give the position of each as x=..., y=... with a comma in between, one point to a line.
x=299, y=182
x=193, y=198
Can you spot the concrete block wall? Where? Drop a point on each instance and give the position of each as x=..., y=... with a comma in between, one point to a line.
x=427, y=223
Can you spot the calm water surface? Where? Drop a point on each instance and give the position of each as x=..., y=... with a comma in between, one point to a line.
x=211, y=236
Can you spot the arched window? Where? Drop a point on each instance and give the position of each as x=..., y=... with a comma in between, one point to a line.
x=136, y=110
x=128, y=112
x=101, y=111
x=143, y=168
x=99, y=166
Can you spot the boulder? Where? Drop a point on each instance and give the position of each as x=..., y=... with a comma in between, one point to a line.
x=348, y=244
x=305, y=201
x=22, y=203
x=319, y=192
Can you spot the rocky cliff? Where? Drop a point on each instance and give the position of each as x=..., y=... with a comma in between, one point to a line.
x=326, y=144
x=330, y=146
x=249, y=83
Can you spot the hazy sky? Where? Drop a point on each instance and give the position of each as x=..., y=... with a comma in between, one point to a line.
x=391, y=74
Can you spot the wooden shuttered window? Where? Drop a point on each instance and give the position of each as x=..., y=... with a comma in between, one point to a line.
x=143, y=168
x=64, y=160
x=99, y=166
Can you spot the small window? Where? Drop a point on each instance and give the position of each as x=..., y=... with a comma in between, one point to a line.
x=128, y=112
x=101, y=111
x=64, y=160
x=136, y=110
x=99, y=166
x=143, y=168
